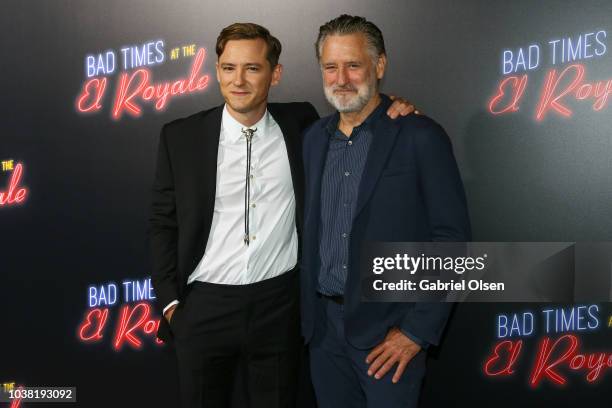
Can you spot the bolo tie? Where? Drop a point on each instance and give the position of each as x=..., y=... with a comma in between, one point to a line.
x=248, y=135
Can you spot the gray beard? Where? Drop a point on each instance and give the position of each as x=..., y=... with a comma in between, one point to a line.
x=354, y=105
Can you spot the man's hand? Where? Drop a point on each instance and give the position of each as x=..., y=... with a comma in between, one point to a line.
x=395, y=348
x=400, y=106
x=169, y=313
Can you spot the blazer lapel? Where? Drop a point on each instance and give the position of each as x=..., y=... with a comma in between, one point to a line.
x=317, y=164
x=293, y=140
x=384, y=134
x=315, y=167
x=204, y=143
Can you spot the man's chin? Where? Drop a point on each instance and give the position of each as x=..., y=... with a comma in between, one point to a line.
x=346, y=107
x=240, y=107
x=344, y=103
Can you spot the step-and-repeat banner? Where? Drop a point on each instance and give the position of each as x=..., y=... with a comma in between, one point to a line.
x=522, y=88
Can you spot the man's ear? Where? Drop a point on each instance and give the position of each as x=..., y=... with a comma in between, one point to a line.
x=381, y=65
x=217, y=70
x=277, y=73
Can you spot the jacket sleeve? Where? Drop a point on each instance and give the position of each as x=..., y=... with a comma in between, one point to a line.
x=163, y=231
x=310, y=115
x=446, y=204
x=441, y=185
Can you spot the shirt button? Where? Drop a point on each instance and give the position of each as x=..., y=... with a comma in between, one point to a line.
x=350, y=142
x=344, y=235
x=253, y=205
x=343, y=266
x=347, y=173
x=252, y=176
x=253, y=237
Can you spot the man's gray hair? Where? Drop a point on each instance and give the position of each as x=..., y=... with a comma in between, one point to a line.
x=346, y=24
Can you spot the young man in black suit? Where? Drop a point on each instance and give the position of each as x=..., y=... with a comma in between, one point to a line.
x=226, y=212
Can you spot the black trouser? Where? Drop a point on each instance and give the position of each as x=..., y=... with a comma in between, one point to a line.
x=220, y=328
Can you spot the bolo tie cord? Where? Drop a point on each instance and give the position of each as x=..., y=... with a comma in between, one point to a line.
x=248, y=134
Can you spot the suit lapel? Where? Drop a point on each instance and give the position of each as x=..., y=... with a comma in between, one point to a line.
x=293, y=140
x=205, y=136
x=317, y=163
x=315, y=166
x=383, y=139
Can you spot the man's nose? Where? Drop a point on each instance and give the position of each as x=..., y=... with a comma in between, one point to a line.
x=239, y=77
x=342, y=78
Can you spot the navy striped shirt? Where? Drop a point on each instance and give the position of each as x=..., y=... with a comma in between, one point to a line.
x=346, y=158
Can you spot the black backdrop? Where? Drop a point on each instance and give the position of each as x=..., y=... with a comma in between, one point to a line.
x=88, y=175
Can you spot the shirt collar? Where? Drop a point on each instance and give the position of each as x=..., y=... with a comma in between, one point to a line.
x=231, y=129
x=384, y=104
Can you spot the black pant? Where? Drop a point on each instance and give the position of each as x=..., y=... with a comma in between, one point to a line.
x=222, y=331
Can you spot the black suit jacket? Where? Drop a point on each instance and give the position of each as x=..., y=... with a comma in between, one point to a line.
x=184, y=193
x=410, y=191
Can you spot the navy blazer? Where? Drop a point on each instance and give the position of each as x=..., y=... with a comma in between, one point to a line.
x=410, y=191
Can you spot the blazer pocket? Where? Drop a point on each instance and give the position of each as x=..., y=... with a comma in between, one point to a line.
x=396, y=171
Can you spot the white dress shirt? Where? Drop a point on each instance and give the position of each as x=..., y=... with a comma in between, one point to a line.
x=273, y=244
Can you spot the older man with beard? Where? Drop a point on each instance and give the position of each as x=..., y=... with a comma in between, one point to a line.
x=370, y=178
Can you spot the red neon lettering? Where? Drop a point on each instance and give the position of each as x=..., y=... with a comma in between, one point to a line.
x=577, y=362
x=124, y=99
x=543, y=368
x=555, y=91
x=130, y=321
x=517, y=90
x=584, y=91
x=597, y=364
x=602, y=93
x=513, y=349
x=163, y=90
x=151, y=327
x=125, y=103
x=95, y=94
x=201, y=82
x=14, y=195
x=178, y=87
x=96, y=320
x=547, y=102
x=16, y=403
x=594, y=363
x=125, y=331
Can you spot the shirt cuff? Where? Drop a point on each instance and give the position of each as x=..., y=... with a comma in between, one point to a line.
x=424, y=345
x=174, y=302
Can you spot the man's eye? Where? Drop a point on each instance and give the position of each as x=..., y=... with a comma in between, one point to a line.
x=330, y=68
x=253, y=69
x=228, y=69
x=353, y=66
